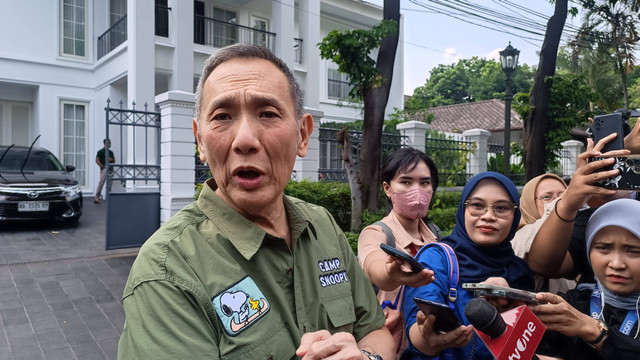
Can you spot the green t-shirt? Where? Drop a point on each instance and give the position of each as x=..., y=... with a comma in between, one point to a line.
x=211, y=284
x=100, y=155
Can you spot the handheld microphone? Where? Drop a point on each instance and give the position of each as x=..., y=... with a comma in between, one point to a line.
x=512, y=335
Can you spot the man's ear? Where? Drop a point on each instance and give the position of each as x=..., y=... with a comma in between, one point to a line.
x=201, y=150
x=306, y=128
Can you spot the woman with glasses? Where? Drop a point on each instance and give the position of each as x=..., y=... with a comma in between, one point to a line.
x=409, y=179
x=486, y=220
x=537, y=201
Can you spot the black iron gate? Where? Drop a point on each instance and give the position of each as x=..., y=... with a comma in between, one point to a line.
x=133, y=198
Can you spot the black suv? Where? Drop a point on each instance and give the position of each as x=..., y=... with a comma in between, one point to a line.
x=35, y=185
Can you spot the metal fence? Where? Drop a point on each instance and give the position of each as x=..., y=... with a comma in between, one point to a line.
x=330, y=162
x=450, y=153
x=219, y=34
x=114, y=36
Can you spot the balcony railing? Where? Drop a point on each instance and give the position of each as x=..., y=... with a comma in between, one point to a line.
x=114, y=36
x=218, y=33
x=297, y=51
x=162, y=20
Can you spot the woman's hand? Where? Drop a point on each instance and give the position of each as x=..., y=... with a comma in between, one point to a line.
x=559, y=315
x=582, y=188
x=401, y=273
x=432, y=342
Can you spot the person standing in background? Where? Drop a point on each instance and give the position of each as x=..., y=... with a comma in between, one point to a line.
x=100, y=160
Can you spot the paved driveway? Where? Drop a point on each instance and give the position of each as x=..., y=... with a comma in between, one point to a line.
x=60, y=291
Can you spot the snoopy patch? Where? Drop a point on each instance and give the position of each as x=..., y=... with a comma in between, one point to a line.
x=240, y=306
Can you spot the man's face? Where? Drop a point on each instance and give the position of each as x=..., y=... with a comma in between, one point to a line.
x=248, y=133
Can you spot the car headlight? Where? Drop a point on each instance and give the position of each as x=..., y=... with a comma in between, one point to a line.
x=71, y=192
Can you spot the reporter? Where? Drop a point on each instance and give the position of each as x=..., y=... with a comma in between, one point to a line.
x=409, y=179
x=600, y=321
x=486, y=221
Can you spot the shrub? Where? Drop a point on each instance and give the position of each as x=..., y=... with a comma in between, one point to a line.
x=353, y=241
x=444, y=218
x=333, y=196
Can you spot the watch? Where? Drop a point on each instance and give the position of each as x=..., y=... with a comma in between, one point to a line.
x=604, y=330
x=371, y=356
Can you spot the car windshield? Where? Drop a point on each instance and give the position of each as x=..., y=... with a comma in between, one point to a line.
x=38, y=160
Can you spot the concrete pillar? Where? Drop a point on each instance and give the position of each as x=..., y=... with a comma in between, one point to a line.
x=309, y=23
x=415, y=131
x=478, y=158
x=570, y=164
x=140, y=80
x=181, y=29
x=307, y=167
x=282, y=15
x=177, y=152
x=141, y=52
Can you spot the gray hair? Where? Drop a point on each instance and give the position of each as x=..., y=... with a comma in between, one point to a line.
x=249, y=51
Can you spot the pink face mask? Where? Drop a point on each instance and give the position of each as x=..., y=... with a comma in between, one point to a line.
x=412, y=204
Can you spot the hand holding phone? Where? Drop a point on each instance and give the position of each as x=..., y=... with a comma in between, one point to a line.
x=490, y=290
x=446, y=320
x=413, y=263
x=604, y=125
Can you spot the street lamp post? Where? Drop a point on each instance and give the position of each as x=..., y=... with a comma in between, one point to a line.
x=509, y=61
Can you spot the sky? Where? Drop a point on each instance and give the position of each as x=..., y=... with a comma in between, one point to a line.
x=432, y=38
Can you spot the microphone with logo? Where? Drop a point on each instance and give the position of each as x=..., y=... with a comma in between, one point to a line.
x=512, y=335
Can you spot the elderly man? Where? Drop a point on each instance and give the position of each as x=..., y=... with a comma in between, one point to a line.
x=247, y=272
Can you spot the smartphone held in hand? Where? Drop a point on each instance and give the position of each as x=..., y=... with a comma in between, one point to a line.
x=446, y=320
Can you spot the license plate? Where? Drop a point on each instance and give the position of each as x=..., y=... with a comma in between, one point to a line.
x=33, y=206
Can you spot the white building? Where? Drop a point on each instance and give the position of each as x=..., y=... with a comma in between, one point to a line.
x=60, y=60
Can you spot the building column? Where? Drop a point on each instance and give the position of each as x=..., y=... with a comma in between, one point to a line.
x=309, y=27
x=181, y=29
x=415, y=131
x=140, y=52
x=477, y=159
x=177, y=152
x=570, y=163
x=282, y=15
x=307, y=167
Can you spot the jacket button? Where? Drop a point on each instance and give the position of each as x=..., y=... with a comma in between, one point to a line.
x=289, y=271
x=270, y=357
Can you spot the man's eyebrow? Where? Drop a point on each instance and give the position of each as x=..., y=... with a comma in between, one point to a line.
x=229, y=101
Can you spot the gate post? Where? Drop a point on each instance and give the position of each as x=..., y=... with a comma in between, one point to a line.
x=177, y=151
x=415, y=131
x=570, y=164
x=478, y=158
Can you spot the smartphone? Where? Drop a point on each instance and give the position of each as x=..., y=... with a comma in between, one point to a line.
x=605, y=125
x=629, y=176
x=413, y=263
x=490, y=290
x=446, y=320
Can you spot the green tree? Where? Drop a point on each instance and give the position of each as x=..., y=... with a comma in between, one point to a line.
x=371, y=81
x=468, y=80
x=569, y=106
x=612, y=24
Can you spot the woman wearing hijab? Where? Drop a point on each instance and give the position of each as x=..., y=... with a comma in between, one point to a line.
x=486, y=221
x=539, y=196
x=409, y=179
x=600, y=321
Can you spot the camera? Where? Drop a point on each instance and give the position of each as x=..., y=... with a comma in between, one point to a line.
x=629, y=176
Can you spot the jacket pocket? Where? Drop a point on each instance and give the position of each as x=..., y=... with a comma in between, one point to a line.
x=341, y=312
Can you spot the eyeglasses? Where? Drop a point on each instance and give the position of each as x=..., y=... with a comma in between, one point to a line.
x=546, y=198
x=501, y=209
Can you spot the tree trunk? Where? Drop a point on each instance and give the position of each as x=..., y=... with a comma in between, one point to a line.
x=535, y=125
x=375, y=101
x=351, y=169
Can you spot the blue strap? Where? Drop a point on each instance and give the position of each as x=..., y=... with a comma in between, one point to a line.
x=394, y=305
x=596, y=312
x=454, y=272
